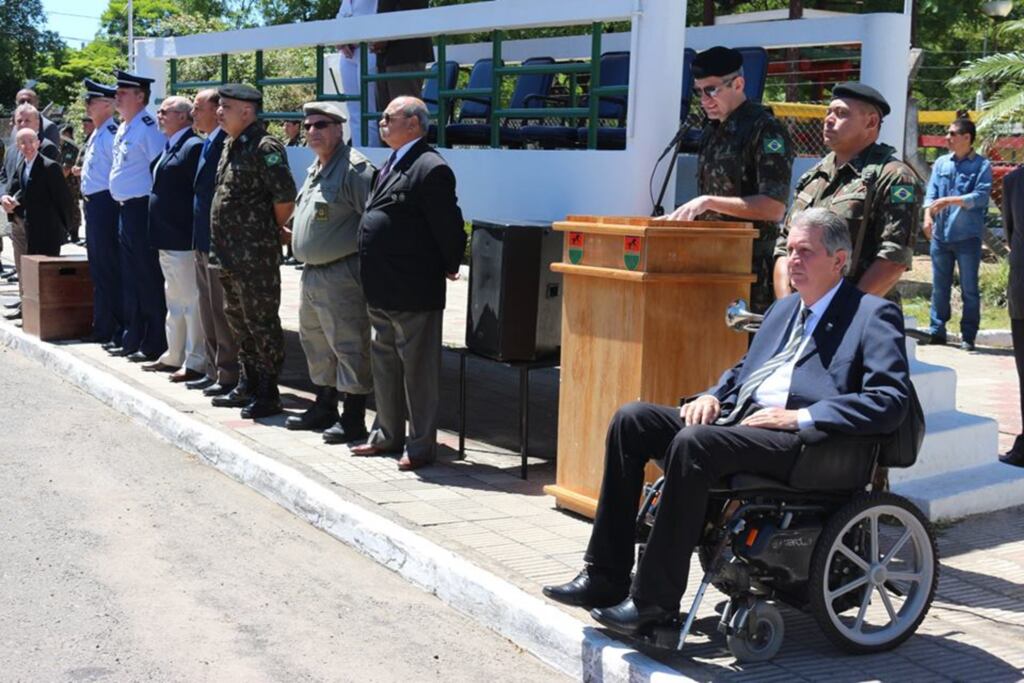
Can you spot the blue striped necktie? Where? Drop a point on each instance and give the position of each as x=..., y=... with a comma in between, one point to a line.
x=757, y=377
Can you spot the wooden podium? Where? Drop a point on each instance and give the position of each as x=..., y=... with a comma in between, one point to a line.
x=643, y=317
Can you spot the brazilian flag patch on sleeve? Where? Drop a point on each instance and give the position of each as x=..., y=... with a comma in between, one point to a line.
x=272, y=159
x=902, y=194
x=774, y=145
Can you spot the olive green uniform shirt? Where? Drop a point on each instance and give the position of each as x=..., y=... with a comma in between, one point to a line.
x=252, y=176
x=325, y=226
x=750, y=153
x=893, y=209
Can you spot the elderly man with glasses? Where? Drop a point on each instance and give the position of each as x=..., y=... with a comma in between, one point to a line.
x=745, y=162
x=170, y=231
x=334, y=326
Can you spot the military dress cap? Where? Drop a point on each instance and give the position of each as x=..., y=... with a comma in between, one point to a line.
x=94, y=89
x=240, y=91
x=864, y=93
x=332, y=110
x=717, y=61
x=130, y=80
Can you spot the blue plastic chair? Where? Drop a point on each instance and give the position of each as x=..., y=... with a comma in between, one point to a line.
x=530, y=92
x=614, y=70
x=431, y=87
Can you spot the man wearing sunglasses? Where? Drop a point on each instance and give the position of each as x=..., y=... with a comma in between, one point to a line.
x=744, y=163
x=954, y=221
x=334, y=326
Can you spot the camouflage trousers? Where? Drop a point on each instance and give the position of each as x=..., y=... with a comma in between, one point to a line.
x=762, y=291
x=252, y=298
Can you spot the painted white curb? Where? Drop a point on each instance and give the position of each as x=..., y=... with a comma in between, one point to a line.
x=551, y=635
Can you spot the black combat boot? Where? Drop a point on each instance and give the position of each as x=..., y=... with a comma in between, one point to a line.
x=322, y=414
x=352, y=424
x=266, y=399
x=242, y=394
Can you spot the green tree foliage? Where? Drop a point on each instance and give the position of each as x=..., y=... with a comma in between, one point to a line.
x=1001, y=75
x=25, y=47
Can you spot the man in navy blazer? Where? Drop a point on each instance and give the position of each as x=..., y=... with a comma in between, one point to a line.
x=828, y=359
x=1013, y=224
x=221, y=347
x=170, y=232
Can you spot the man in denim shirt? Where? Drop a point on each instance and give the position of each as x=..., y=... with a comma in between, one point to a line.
x=954, y=221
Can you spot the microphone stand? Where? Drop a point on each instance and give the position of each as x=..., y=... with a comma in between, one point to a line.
x=677, y=140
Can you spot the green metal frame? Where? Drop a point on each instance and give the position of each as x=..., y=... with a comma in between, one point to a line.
x=445, y=96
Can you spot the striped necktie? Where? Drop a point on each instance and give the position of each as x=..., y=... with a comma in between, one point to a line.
x=785, y=355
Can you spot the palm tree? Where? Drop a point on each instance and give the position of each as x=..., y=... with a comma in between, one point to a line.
x=1003, y=73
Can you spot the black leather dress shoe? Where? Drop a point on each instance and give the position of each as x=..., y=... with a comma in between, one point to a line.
x=628, y=617
x=122, y=352
x=110, y=346
x=14, y=314
x=589, y=589
x=13, y=304
x=218, y=389
x=140, y=357
x=1015, y=458
x=201, y=383
x=930, y=339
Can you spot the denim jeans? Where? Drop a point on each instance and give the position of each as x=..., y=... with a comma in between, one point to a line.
x=966, y=254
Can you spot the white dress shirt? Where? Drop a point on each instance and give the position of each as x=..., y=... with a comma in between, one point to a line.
x=137, y=143
x=99, y=157
x=773, y=392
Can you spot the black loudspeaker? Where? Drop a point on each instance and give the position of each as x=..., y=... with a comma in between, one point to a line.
x=515, y=301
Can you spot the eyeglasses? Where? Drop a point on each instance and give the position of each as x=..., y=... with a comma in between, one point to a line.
x=712, y=90
x=386, y=117
x=319, y=125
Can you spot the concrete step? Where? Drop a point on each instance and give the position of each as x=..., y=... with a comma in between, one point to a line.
x=984, y=488
x=953, y=441
x=935, y=385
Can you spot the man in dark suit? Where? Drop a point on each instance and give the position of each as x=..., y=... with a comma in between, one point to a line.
x=410, y=237
x=828, y=359
x=170, y=232
x=401, y=55
x=25, y=116
x=221, y=347
x=39, y=197
x=1013, y=224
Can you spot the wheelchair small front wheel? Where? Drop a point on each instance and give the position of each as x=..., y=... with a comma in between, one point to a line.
x=757, y=633
x=873, y=573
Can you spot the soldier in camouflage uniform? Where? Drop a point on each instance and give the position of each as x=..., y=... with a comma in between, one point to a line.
x=864, y=182
x=254, y=198
x=69, y=155
x=744, y=164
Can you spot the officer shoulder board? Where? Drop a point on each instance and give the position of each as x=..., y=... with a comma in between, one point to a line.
x=112, y=128
x=146, y=119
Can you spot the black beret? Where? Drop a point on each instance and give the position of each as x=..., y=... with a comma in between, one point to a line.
x=864, y=93
x=717, y=61
x=240, y=91
x=94, y=89
x=130, y=80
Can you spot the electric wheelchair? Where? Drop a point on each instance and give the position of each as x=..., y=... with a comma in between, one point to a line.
x=862, y=561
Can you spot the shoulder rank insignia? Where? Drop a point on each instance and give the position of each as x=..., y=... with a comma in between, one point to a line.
x=112, y=128
x=774, y=145
x=272, y=159
x=901, y=194
x=146, y=119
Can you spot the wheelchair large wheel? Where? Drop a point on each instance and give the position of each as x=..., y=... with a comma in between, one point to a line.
x=873, y=573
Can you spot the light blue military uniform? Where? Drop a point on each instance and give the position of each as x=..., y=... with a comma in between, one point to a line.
x=137, y=143
x=101, y=225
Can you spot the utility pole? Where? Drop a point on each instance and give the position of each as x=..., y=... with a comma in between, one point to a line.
x=131, y=37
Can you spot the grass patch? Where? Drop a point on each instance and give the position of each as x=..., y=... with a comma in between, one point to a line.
x=994, y=278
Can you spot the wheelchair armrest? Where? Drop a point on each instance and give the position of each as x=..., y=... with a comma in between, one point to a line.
x=831, y=461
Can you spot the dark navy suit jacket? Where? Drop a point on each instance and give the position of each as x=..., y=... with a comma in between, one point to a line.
x=853, y=374
x=204, y=185
x=1013, y=224
x=170, y=202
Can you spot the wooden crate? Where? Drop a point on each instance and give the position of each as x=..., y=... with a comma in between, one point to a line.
x=56, y=297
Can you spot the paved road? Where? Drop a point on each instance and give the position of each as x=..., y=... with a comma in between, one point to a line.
x=124, y=559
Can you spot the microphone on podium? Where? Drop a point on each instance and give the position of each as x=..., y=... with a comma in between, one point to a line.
x=684, y=127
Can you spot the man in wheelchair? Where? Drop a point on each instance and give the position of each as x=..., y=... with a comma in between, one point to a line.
x=829, y=359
